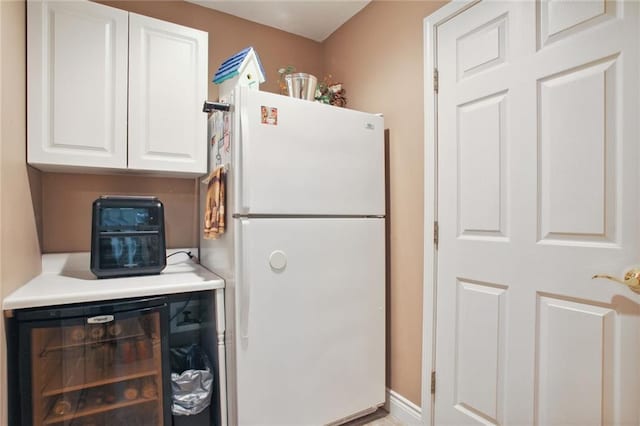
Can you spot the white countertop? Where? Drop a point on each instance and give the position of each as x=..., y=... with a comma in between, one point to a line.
x=66, y=278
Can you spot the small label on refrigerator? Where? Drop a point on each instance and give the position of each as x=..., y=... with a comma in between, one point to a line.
x=369, y=126
x=269, y=115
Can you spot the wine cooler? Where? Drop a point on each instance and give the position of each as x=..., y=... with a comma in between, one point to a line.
x=95, y=364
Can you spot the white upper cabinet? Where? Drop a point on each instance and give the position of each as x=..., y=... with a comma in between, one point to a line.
x=112, y=90
x=167, y=86
x=77, y=85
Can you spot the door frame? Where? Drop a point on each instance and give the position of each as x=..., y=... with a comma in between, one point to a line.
x=429, y=284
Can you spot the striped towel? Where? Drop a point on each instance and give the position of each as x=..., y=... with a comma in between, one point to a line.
x=214, y=205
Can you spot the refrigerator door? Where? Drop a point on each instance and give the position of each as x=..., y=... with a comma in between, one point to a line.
x=310, y=319
x=297, y=157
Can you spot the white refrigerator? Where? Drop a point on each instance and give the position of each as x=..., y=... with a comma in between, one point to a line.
x=303, y=257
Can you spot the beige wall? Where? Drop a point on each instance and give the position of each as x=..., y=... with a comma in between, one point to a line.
x=67, y=199
x=378, y=56
x=19, y=248
x=3, y=366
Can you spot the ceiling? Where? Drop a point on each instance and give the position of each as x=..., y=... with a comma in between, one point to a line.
x=312, y=19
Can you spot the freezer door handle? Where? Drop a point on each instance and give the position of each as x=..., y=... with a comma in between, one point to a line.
x=244, y=282
x=245, y=154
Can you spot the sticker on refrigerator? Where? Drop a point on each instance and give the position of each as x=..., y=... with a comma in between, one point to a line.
x=269, y=115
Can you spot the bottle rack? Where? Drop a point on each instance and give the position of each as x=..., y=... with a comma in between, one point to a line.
x=96, y=373
x=95, y=401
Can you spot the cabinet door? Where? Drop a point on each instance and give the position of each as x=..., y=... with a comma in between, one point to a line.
x=76, y=85
x=167, y=86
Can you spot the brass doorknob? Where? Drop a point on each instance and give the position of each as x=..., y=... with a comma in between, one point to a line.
x=631, y=279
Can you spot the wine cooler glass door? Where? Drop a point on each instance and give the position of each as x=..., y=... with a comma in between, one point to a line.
x=105, y=369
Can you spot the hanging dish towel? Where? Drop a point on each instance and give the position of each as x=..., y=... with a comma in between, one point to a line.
x=214, y=205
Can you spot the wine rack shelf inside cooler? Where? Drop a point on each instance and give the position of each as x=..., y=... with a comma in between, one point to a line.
x=89, y=411
x=57, y=345
x=76, y=382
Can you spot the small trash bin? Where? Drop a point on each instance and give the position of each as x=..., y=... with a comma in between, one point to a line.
x=191, y=381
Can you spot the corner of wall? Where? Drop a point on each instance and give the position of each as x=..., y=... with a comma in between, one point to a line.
x=3, y=390
x=378, y=56
x=19, y=243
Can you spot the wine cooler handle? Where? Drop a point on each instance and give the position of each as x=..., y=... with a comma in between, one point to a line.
x=100, y=319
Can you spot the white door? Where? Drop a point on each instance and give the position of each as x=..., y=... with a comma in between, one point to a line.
x=76, y=85
x=538, y=111
x=167, y=87
x=301, y=157
x=309, y=337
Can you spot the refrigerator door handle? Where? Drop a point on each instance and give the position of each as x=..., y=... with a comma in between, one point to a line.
x=244, y=281
x=245, y=154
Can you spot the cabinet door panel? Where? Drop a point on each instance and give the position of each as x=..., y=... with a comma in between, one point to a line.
x=76, y=84
x=167, y=85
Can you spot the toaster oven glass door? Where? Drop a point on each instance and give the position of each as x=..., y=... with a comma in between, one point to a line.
x=120, y=250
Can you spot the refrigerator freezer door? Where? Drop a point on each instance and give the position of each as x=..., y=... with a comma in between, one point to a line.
x=310, y=320
x=305, y=158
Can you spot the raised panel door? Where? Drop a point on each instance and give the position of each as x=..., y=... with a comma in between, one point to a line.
x=537, y=143
x=167, y=86
x=76, y=85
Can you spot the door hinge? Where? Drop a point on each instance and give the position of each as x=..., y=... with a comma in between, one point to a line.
x=433, y=383
x=435, y=80
x=436, y=234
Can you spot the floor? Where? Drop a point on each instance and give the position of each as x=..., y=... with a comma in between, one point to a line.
x=379, y=418
x=386, y=421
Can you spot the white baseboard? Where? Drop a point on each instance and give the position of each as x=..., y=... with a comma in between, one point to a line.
x=402, y=409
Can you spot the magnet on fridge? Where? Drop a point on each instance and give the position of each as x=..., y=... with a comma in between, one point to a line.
x=278, y=260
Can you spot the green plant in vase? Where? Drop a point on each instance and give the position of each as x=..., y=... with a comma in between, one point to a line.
x=331, y=93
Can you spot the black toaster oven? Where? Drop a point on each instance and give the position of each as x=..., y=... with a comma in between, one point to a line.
x=127, y=236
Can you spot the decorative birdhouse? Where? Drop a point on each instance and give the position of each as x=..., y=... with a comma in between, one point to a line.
x=242, y=69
